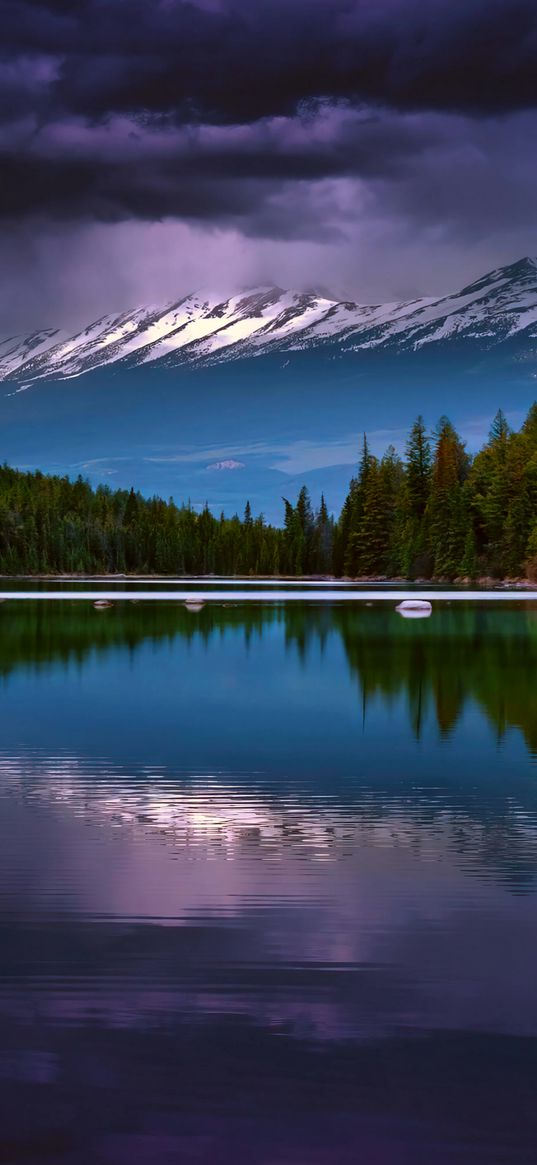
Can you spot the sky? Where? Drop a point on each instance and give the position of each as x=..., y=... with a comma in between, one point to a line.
x=372, y=149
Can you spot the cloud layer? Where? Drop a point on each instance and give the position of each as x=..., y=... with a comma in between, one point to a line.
x=341, y=126
x=238, y=61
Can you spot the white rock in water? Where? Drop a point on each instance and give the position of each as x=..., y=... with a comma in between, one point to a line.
x=414, y=609
x=194, y=604
x=102, y=604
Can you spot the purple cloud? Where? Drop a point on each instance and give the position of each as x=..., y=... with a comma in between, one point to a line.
x=354, y=135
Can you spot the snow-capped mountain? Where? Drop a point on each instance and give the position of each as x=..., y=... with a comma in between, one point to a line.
x=205, y=329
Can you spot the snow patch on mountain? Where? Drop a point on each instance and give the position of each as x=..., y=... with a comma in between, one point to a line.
x=229, y=464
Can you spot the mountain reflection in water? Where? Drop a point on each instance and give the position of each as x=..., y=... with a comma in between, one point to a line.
x=267, y=885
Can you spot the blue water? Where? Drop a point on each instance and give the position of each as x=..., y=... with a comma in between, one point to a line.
x=267, y=885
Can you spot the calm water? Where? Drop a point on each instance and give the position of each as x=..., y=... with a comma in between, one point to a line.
x=268, y=885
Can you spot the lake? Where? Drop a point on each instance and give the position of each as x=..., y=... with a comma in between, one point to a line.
x=268, y=884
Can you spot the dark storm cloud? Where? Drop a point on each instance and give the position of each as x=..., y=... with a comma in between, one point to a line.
x=209, y=173
x=239, y=60
x=380, y=147
x=118, y=109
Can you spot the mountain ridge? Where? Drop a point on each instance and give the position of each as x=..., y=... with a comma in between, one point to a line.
x=203, y=329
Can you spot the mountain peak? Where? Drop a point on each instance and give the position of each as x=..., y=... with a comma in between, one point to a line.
x=528, y=263
x=520, y=269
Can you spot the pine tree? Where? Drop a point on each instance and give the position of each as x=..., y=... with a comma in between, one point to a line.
x=418, y=469
x=368, y=542
x=354, y=513
x=373, y=543
x=131, y=508
x=489, y=494
x=305, y=532
x=529, y=428
x=521, y=470
x=392, y=482
x=289, y=538
x=323, y=540
x=413, y=557
x=342, y=532
x=446, y=512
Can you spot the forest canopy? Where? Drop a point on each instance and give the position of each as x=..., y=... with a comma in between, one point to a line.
x=435, y=512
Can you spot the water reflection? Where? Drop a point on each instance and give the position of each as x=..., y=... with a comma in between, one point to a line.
x=267, y=885
x=464, y=653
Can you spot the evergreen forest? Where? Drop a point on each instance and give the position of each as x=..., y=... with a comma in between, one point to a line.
x=435, y=513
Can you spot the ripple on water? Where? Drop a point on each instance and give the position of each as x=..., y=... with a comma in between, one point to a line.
x=267, y=887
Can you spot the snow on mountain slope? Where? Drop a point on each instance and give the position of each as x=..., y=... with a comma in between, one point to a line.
x=204, y=328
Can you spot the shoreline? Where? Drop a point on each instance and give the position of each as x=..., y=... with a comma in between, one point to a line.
x=482, y=582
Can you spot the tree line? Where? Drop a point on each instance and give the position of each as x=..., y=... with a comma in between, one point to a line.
x=437, y=512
